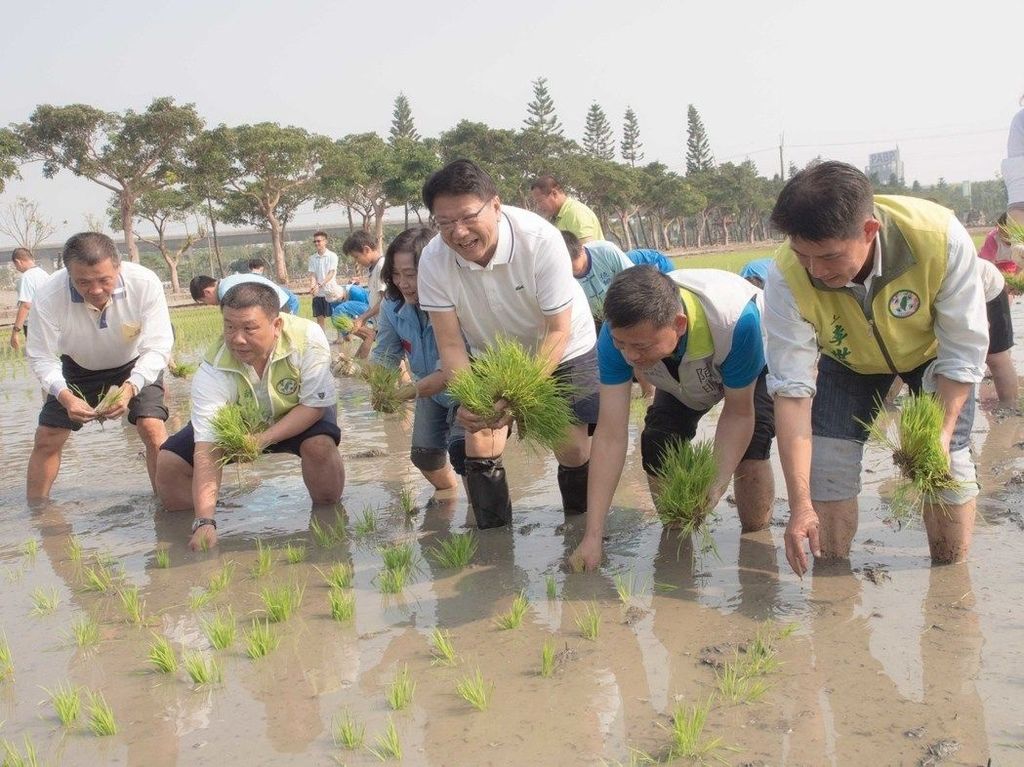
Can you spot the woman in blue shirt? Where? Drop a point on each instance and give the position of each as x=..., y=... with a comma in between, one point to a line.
x=404, y=332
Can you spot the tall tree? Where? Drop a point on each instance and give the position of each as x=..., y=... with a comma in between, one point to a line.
x=542, y=121
x=24, y=223
x=11, y=151
x=402, y=125
x=631, y=146
x=162, y=208
x=273, y=170
x=129, y=153
x=698, y=148
x=598, y=138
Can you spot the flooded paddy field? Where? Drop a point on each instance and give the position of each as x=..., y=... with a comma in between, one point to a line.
x=883, y=661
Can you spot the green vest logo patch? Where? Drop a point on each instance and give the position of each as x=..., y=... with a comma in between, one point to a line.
x=904, y=303
x=287, y=387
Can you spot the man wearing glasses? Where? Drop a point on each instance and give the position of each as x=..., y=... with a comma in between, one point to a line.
x=497, y=271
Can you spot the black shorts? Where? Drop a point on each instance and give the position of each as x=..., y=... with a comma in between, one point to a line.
x=581, y=374
x=669, y=419
x=321, y=307
x=183, y=443
x=148, y=403
x=1000, y=326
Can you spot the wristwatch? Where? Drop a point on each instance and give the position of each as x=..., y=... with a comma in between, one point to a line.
x=200, y=521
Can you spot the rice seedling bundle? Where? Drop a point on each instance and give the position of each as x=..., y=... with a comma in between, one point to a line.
x=513, y=619
x=343, y=605
x=74, y=548
x=162, y=656
x=399, y=693
x=133, y=604
x=264, y=560
x=201, y=669
x=398, y=557
x=67, y=702
x=393, y=580
x=1015, y=283
x=234, y=427
x=383, y=382
x=182, y=369
x=1013, y=230
x=407, y=500
x=475, y=690
x=366, y=524
x=339, y=576
x=537, y=402
x=387, y=746
x=111, y=399
x=12, y=757
x=220, y=629
x=163, y=559
x=85, y=631
x=281, y=601
x=736, y=685
x=917, y=451
x=551, y=587
x=547, y=659
x=589, y=622
x=687, y=472
x=294, y=553
x=6, y=660
x=687, y=734
x=30, y=548
x=342, y=323
x=44, y=601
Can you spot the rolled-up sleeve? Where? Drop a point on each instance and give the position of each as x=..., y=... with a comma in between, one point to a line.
x=387, y=348
x=961, y=322
x=211, y=390
x=791, y=341
x=156, y=337
x=316, y=382
x=43, y=347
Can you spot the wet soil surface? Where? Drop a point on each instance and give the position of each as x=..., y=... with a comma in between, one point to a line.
x=891, y=661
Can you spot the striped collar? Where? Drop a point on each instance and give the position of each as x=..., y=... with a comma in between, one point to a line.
x=116, y=295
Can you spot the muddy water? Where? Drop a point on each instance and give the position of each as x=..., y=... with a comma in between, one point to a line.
x=892, y=660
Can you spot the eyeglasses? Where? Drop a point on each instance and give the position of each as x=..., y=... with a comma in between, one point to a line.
x=450, y=226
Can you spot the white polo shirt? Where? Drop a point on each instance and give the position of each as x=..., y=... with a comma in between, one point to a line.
x=528, y=279
x=133, y=324
x=29, y=283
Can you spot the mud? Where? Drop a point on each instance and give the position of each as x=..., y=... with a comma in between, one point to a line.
x=892, y=661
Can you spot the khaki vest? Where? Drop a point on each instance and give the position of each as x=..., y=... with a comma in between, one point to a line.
x=713, y=300
x=282, y=369
x=895, y=333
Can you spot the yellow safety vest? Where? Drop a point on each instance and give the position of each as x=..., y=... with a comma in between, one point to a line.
x=895, y=333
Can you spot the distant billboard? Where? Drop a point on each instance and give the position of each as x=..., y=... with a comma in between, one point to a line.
x=885, y=167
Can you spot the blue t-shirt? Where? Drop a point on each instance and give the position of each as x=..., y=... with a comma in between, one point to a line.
x=740, y=368
x=640, y=256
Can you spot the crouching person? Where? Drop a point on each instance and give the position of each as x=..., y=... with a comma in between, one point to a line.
x=404, y=331
x=283, y=363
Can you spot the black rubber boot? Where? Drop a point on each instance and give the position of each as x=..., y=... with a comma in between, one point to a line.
x=488, y=492
x=572, y=482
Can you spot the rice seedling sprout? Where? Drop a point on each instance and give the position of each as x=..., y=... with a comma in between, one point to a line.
x=547, y=659
x=12, y=756
x=537, y=401
x=221, y=579
x=132, y=604
x=323, y=535
x=30, y=548
x=85, y=631
x=260, y=640
x=407, y=500
x=162, y=656
x=98, y=578
x=181, y=369
x=366, y=524
x=264, y=560
x=220, y=629
x=66, y=701
x=387, y=745
x=442, y=648
x=44, y=601
x=629, y=586
x=397, y=557
x=551, y=587
x=687, y=733
x=281, y=601
x=475, y=690
x=234, y=427
x=392, y=581
x=513, y=619
x=736, y=686
x=101, y=717
x=343, y=605
x=202, y=669
x=454, y=552
x=74, y=548
x=399, y=693
x=294, y=553
x=339, y=576
x=589, y=622
x=6, y=660
x=111, y=399
x=348, y=733
x=163, y=558
x=199, y=599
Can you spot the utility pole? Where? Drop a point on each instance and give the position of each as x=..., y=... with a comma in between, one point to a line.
x=782, y=166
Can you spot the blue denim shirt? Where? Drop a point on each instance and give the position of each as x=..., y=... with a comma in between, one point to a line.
x=405, y=330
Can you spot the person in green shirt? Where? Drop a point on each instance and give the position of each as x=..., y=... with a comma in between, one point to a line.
x=566, y=213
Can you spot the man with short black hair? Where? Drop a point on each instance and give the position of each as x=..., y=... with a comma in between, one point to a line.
x=98, y=323
x=695, y=334
x=566, y=213
x=594, y=265
x=280, y=362
x=206, y=290
x=363, y=248
x=496, y=270
x=323, y=269
x=883, y=286
x=31, y=278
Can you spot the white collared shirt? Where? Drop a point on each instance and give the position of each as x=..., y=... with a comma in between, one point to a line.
x=528, y=279
x=31, y=280
x=961, y=323
x=134, y=324
x=321, y=266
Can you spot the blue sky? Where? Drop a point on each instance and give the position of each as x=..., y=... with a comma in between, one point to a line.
x=841, y=81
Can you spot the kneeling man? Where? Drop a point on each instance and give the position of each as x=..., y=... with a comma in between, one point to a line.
x=695, y=334
x=283, y=363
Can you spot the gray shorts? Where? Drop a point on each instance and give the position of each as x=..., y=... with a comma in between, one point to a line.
x=843, y=399
x=436, y=434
